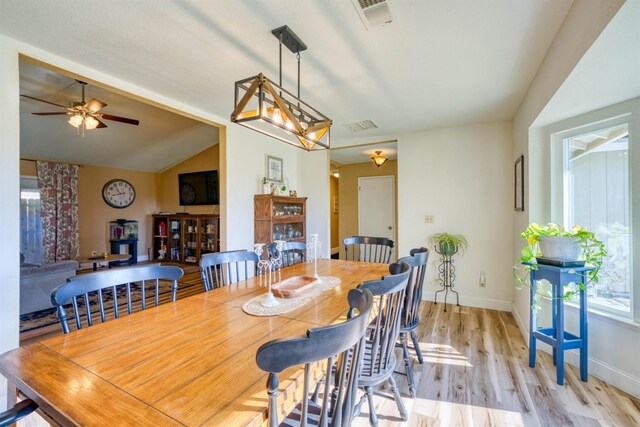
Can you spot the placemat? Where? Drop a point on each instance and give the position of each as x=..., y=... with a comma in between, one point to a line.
x=254, y=307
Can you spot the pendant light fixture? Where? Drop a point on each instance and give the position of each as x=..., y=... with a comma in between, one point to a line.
x=379, y=159
x=268, y=108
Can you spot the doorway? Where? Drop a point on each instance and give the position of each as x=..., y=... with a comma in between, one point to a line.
x=376, y=206
x=349, y=165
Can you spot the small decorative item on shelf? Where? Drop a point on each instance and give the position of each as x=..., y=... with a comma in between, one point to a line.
x=293, y=193
x=266, y=268
x=447, y=245
x=266, y=187
x=313, y=250
x=552, y=244
x=162, y=228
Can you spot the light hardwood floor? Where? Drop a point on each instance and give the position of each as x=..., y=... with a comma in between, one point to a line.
x=476, y=373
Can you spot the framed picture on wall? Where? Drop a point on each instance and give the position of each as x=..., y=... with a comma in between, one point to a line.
x=274, y=170
x=518, y=192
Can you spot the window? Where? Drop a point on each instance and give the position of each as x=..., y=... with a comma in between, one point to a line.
x=597, y=196
x=30, y=223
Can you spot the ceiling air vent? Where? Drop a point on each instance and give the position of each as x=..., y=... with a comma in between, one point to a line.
x=362, y=126
x=374, y=13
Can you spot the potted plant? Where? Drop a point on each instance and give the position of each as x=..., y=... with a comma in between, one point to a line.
x=448, y=244
x=266, y=187
x=553, y=241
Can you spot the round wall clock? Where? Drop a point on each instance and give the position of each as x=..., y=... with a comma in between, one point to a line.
x=118, y=193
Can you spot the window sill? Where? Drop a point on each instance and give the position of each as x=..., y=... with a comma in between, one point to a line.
x=626, y=322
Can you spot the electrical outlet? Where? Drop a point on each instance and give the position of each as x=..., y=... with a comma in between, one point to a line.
x=483, y=280
x=429, y=219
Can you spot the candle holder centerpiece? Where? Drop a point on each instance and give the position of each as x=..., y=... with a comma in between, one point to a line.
x=266, y=270
x=313, y=249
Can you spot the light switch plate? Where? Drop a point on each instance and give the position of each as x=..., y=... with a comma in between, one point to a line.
x=429, y=219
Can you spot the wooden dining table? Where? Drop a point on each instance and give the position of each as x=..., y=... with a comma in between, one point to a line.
x=189, y=362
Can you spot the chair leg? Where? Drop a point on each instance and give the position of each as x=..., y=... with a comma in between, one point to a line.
x=416, y=346
x=407, y=364
x=398, y=398
x=373, y=419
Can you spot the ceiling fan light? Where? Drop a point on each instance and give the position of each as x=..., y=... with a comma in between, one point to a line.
x=379, y=159
x=90, y=122
x=75, y=120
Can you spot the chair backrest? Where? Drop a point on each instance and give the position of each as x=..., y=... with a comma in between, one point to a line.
x=368, y=249
x=381, y=339
x=342, y=343
x=413, y=296
x=292, y=253
x=223, y=268
x=80, y=290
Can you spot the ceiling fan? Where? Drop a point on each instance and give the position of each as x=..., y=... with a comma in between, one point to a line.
x=84, y=115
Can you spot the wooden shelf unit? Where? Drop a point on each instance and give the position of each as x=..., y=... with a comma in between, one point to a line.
x=187, y=237
x=279, y=218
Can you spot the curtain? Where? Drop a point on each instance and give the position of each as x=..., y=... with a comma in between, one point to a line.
x=58, y=184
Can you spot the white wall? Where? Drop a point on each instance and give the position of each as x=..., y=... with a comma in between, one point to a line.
x=464, y=177
x=315, y=185
x=246, y=157
x=10, y=196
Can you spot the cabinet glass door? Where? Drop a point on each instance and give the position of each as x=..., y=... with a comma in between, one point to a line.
x=207, y=236
x=175, y=239
x=287, y=231
x=190, y=234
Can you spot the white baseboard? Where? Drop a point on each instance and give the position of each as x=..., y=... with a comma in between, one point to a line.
x=143, y=258
x=610, y=374
x=471, y=302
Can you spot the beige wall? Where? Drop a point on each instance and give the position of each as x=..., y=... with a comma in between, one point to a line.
x=335, y=216
x=348, y=191
x=28, y=168
x=94, y=214
x=168, y=195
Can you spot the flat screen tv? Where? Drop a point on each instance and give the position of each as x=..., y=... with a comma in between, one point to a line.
x=199, y=188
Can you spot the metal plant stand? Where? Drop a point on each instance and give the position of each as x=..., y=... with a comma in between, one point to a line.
x=446, y=276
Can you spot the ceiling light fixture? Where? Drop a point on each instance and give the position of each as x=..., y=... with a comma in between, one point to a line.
x=379, y=159
x=268, y=108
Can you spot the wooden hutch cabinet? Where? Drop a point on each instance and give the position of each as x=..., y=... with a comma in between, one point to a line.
x=279, y=218
x=185, y=238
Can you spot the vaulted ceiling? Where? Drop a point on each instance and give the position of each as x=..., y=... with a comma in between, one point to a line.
x=439, y=63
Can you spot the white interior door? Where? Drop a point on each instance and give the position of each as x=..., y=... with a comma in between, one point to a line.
x=376, y=206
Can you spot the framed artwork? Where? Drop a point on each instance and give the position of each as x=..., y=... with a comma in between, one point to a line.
x=274, y=171
x=518, y=191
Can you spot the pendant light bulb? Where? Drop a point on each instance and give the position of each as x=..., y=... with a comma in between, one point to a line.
x=90, y=122
x=75, y=120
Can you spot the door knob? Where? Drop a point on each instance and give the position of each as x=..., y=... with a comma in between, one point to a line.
x=390, y=228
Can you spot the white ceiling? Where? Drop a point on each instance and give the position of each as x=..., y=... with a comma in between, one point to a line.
x=363, y=153
x=608, y=73
x=162, y=139
x=439, y=63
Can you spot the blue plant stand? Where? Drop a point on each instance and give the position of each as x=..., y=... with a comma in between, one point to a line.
x=556, y=336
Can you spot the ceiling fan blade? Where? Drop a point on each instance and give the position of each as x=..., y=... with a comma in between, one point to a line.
x=100, y=125
x=42, y=100
x=50, y=114
x=94, y=105
x=121, y=119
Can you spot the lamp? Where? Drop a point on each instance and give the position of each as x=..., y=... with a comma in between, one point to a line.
x=379, y=159
x=268, y=108
x=75, y=120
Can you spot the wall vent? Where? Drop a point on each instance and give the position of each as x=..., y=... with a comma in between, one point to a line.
x=374, y=13
x=362, y=125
